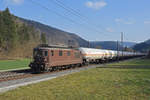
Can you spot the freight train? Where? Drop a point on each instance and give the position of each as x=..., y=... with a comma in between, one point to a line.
x=47, y=58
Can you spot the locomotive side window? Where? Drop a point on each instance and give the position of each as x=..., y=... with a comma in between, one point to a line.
x=52, y=53
x=45, y=53
x=68, y=53
x=77, y=55
x=60, y=53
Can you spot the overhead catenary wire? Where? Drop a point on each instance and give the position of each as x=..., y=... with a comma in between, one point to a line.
x=73, y=12
x=78, y=14
x=87, y=25
x=46, y=8
x=62, y=16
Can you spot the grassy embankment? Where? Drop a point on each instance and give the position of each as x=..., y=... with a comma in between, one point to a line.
x=14, y=64
x=134, y=62
x=94, y=84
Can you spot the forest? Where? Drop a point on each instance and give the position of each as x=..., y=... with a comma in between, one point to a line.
x=17, y=39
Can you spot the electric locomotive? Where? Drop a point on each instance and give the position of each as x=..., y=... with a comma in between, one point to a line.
x=55, y=57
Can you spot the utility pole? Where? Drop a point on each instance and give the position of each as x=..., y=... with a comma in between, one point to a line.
x=117, y=51
x=89, y=44
x=122, y=42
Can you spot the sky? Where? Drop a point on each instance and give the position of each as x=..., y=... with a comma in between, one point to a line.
x=93, y=20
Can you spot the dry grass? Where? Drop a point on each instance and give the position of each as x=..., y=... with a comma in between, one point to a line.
x=21, y=51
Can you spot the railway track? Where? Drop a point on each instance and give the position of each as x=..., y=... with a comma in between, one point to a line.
x=21, y=74
x=13, y=75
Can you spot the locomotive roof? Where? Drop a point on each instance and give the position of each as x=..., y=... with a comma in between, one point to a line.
x=55, y=47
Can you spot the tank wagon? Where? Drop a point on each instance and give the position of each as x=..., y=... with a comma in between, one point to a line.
x=59, y=57
x=100, y=55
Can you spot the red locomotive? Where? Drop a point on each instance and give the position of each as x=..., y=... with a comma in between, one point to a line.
x=53, y=57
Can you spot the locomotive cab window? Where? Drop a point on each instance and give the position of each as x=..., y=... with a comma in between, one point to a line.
x=60, y=53
x=68, y=53
x=45, y=53
x=52, y=53
x=77, y=55
x=37, y=52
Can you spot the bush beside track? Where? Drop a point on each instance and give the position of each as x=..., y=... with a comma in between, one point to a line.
x=94, y=84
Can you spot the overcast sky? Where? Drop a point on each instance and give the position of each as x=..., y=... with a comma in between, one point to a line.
x=100, y=20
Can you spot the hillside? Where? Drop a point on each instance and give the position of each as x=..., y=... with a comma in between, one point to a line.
x=143, y=47
x=16, y=36
x=63, y=37
x=54, y=34
x=22, y=35
x=129, y=44
x=112, y=45
x=148, y=41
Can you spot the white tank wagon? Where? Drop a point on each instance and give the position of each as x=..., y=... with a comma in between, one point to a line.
x=107, y=54
x=112, y=54
x=92, y=55
x=98, y=55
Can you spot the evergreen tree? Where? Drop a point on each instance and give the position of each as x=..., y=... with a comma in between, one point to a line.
x=15, y=34
x=9, y=27
x=43, y=38
x=1, y=30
